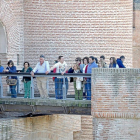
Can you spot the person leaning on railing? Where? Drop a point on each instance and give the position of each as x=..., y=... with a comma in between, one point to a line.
x=92, y=64
x=12, y=69
x=27, y=80
x=42, y=67
x=61, y=67
x=78, y=87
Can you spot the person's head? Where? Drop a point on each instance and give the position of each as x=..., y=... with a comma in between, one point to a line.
x=78, y=60
x=102, y=58
x=85, y=60
x=10, y=63
x=0, y=62
x=61, y=59
x=122, y=58
x=112, y=60
x=76, y=66
x=26, y=64
x=42, y=59
x=91, y=59
x=96, y=60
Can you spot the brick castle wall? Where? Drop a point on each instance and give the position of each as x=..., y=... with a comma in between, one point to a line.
x=77, y=28
x=51, y=127
x=115, y=103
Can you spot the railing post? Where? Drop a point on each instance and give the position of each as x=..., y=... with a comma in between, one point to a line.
x=1, y=87
x=64, y=88
x=48, y=85
x=18, y=85
x=32, y=88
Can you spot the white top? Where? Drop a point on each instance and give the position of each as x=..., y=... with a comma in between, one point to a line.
x=41, y=68
x=84, y=68
x=60, y=67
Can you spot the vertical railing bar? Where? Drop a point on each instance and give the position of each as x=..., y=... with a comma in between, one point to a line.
x=1, y=87
x=32, y=88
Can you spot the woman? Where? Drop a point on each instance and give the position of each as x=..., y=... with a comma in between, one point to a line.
x=85, y=62
x=78, y=83
x=113, y=63
x=12, y=69
x=27, y=80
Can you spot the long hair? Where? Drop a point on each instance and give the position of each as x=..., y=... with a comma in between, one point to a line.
x=114, y=60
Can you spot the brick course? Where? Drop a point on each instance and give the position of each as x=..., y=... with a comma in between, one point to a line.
x=115, y=103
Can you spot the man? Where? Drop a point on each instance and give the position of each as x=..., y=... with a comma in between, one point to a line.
x=120, y=62
x=42, y=67
x=92, y=64
x=61, y=67
x=102, y=61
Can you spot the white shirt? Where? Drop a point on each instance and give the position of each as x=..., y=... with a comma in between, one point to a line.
x=41, y=68
x=60, y=67
x=84, y=68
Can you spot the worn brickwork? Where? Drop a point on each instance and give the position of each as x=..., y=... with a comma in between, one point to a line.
x=115, y=103
x=51, y=127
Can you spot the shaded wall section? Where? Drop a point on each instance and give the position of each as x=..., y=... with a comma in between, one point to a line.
x=115, y=104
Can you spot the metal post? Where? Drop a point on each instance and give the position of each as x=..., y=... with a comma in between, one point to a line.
x=18, y=87
x=1, y=88
x=32, y=88
x=48, y=85
x=64, y=89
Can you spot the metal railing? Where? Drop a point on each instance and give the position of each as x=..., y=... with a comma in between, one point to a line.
x=50, y=75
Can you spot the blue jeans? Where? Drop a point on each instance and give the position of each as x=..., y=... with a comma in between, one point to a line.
x=59, y=87
x=88, y=88
x=13, y=91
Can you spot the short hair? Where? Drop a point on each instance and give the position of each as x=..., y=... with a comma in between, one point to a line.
x=10, y=62
x=92, y=57
x=122, y=57
x=102, y=56
x=86, y=59
x=114, y=60
x=96, y=60
x=59, y=57
x=78, y=58
x=42, y=56
x=27, y=63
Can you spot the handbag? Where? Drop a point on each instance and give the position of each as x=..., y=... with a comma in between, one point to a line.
x=11, y=82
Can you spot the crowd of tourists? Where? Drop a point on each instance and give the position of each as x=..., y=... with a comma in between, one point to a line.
x=82, y=85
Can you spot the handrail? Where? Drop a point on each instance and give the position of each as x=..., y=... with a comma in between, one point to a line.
x=48, y=75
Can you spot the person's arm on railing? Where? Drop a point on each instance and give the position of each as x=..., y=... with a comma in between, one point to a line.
x=34, y=70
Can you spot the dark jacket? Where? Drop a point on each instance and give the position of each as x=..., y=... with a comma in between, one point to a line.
x=28, y=71
x=12, y=70
x=71, y=71
x=120, y=63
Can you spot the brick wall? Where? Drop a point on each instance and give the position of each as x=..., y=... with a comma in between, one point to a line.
x=77, y=28
x=12, y=18
x=136, y=34
x=51, y=127
x=115, y=103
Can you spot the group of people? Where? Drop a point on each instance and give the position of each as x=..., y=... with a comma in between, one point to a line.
x=82, y=85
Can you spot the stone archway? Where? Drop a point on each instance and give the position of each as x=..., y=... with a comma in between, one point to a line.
x=3, y=39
